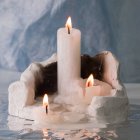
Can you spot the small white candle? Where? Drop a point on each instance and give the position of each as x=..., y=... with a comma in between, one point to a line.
x=95, y=88
x=42, y=114
x=68, y=56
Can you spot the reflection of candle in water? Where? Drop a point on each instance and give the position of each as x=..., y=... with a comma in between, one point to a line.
x=45, y=132
x=45, y=102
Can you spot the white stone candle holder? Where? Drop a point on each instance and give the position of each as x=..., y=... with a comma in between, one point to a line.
x=107, y=109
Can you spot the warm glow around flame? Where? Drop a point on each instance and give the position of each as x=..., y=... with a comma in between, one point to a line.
x=90, y=81
x=69, y=23
x=45, y=100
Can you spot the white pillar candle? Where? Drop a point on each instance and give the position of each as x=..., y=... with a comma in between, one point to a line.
x=68, y=56
x=95, y=88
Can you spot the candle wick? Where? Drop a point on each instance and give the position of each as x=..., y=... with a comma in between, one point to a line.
x=68, y=30
x=46, y=109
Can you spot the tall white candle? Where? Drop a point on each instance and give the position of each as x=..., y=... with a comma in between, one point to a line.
x=68, y=56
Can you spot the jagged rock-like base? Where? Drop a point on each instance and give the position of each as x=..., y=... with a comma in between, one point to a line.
x=39, y=77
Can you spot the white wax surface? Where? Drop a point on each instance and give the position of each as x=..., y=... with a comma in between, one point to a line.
x=40, y=116
x=58, y=114
x=69, y=59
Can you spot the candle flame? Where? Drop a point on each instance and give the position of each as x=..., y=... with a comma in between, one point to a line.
x=90, y=81
x=69, y=23
x=45, y=100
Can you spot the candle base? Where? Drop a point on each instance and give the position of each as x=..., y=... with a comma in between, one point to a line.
x=72, y=103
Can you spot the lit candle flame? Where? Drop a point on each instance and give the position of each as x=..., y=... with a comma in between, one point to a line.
x=68, y=24
x=45, y=100
x=90, y=81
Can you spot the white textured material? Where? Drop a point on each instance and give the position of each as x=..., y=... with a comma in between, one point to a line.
x=21, y=93
x=113, y=108
x=108, y=109
x=111, y=70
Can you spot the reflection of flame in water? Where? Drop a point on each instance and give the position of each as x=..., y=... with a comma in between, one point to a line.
x=112, y=133
x=95, y=133
x=45, y=132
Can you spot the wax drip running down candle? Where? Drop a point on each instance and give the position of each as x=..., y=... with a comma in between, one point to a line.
x=69, y=24
x=45, y=102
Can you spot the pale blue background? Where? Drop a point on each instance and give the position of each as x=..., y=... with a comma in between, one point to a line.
x=28, y=30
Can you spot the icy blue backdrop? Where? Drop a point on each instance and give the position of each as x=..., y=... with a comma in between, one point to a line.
x=28, y=30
